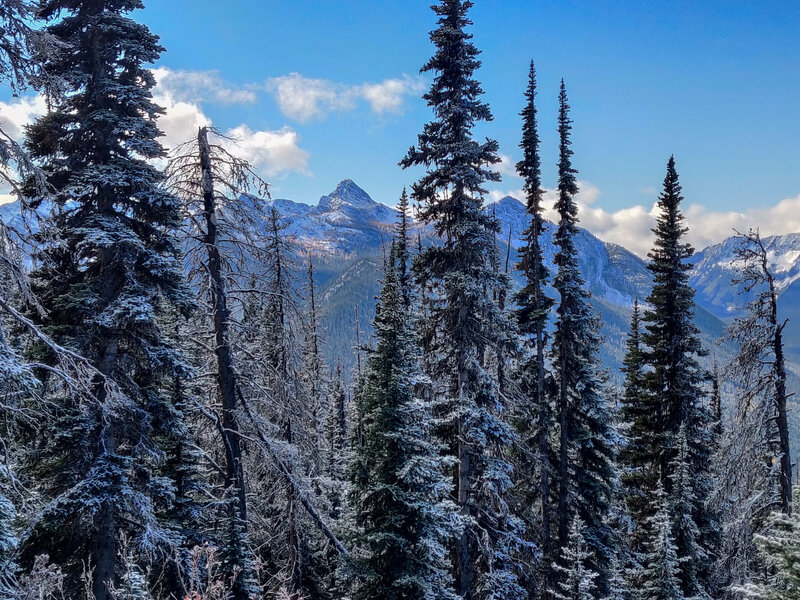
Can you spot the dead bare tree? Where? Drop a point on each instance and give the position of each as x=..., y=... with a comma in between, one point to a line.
x=753, y=460
x=234, y=254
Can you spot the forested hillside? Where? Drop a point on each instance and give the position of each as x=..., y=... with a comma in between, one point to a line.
x=209, y=393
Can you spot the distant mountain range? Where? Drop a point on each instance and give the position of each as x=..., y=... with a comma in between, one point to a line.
x=345, y=232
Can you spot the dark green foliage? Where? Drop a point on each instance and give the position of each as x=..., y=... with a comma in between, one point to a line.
x=634, y=461
x=586, y=472
x=108, y=267
x=674, y=389
x=532, y=412
x=464, y=325
x=401, y=511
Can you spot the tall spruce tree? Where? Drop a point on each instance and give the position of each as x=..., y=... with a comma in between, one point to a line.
x=532, y=414
x=576, y=580
x=336, y=438
x=464, y=322
x=674, y=381
x=288, y=407
x=633, y=460
x=586, y=471
x=313, y=377
x=402, y=510
x=403, y=253
x=659, y=580
x=109, y=265
x=687, y=535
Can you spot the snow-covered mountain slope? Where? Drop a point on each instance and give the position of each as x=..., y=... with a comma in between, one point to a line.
x=612, y=273
x=346, y=221
x=714, y=268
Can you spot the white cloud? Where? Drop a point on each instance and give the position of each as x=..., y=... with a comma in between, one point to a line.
x=305, y=99
x=17, y=113
x=631, y=227
x=198, y=86
x=273, y=152
x=180, y=122
x=388, y=95
x=506, y=167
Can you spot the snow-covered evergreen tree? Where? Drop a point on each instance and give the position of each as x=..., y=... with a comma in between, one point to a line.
x=779, y=549
x=313, y=378
x=532, y=411
x=336, y=443
x=586, y=471
x=576, y=579
x=618, y=586
x=403, y=514
x=659, y=580
x=674, y=380
x=686, y=534
x=464, y=323
x=633, y=459
x=108, y=265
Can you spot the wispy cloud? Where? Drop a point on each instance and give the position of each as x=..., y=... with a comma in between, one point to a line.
x=304, y=99
x=199, y=87
x=506, y=167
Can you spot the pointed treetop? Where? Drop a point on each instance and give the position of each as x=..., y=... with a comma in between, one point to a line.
x=529, y=168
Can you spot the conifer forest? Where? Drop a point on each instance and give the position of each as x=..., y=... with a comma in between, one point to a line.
x=183, y=418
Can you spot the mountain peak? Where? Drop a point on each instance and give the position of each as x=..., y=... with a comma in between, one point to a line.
x=347, y=193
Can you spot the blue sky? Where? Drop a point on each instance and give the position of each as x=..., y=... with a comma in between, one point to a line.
x=329, y=89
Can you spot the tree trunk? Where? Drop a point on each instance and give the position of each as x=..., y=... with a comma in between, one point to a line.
x=563, y=455
x=544, y=450
x=104, y=551
x=226, y=376
x=781, y=418
x=463, y=543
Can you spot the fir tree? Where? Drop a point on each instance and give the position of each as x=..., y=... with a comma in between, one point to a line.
x=634, y=418
x=779, y=549
x=674, y=380
x=103, y=282
x=402, y=511
x=336, y=443
x=576, y=578
x=8, y=545
x=685, y=531
x=314, y=380
x=660, y=581
x=403, y=254
x=463, y=319
x=533, y=415
x=289, y=409
x=618, y=588
x=716, y=404
x=586, y=471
